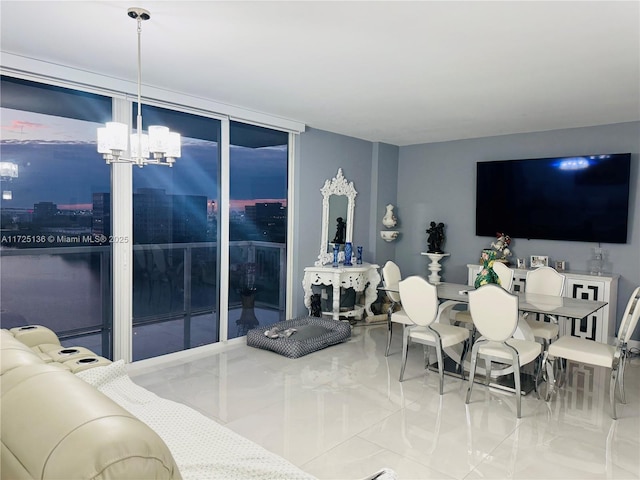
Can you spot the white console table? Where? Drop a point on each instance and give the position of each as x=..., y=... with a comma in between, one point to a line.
x=362, y=278
x=600, y=326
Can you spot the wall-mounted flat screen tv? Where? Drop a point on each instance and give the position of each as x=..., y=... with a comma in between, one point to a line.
x=582, y=199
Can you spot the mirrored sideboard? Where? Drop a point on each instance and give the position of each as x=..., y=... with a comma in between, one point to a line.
x=362, y=278
x=601, y=326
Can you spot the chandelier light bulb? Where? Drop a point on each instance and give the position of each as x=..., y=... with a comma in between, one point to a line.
x=158, y=139
x=140, y=147
x=173, y=145
x=117, y=136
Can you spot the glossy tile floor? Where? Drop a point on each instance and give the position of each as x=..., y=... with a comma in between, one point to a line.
x=341, y=413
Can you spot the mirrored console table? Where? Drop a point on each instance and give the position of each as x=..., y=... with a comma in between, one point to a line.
x=362, y=278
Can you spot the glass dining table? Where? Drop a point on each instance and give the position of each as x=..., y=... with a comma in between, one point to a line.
x=453, y=294
x=530, y=302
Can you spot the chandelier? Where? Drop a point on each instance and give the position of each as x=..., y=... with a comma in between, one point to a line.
x=159, y=147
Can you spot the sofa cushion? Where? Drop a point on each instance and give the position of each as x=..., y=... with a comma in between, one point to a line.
x=14, y=353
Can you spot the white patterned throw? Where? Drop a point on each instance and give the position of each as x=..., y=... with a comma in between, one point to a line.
x=201, y=447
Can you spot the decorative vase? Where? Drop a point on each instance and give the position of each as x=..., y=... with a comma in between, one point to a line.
x=596, y=262
x=348, y=252
x=487, y=274
x=389, y=220
x=359, y=256
x=336, y=252
x=248, y=319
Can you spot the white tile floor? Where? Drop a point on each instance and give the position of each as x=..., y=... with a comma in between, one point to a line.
x=342, y=414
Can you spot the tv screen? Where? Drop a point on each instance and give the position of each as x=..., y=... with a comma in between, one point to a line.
x=564, y=198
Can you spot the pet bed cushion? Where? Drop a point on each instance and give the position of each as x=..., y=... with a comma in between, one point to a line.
x=311, y=334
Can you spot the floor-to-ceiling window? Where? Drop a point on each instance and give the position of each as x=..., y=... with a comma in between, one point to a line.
x=217, y=206
x=175, y=234
x=54, y=254
x=258, y=159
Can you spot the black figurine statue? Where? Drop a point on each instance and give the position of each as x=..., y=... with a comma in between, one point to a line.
x=436, y=237
x=340, y=228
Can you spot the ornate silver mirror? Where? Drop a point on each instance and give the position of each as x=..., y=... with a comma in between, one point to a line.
x=338, y=202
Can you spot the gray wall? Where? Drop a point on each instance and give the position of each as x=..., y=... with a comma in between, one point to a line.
x=384, y=177
x=373, y=169
x=319, y=155
x=437, y=182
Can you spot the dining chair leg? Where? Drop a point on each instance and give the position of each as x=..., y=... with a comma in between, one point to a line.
x=551, y=376
x=389, y=323
x=516, y=378
x=426, y=356
x=535, y=370
x=551, y=380
x=474, y=334
x=472, y=370
x=487, y=370
x=538, y=373
x=405, y=349
x=623, y=363
x=562, y=372
x=545, y=344
x=460, y=365
x=440, y=366
x=612, y=391
x=463, y=355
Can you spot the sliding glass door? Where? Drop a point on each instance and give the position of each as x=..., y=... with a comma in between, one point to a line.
x=258, y=159
x=175, y=235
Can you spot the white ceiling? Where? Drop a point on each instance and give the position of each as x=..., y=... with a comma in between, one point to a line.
x=390, y=71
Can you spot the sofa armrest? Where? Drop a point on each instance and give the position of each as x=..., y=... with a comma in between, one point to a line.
x=54, y=425
x=34, y=335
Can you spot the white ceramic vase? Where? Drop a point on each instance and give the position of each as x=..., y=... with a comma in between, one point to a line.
x=389, y=220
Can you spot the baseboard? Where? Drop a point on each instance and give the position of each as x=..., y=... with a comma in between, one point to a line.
x=183, y=355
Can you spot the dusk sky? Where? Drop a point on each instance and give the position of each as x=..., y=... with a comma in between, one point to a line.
x=58, y=162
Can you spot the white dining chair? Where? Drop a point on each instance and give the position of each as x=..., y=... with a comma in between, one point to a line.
x=390, y=279
x=581, y=350
x=505, y=275
x=544, y=281
x=495, y=316
x=420, y=302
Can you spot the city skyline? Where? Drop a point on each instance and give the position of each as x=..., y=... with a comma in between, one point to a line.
x=58, y=162
x=235, y=205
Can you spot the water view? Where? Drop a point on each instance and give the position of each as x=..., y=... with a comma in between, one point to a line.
x=56, y=217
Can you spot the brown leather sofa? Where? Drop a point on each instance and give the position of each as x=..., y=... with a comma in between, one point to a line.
x=56, y=426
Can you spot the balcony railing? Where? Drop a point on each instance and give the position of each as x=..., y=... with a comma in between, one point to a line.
x=68, y=289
